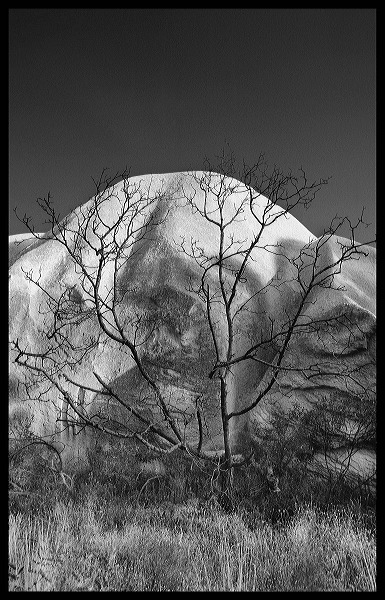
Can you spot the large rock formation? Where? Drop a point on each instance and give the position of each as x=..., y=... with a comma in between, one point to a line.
x=144, y=243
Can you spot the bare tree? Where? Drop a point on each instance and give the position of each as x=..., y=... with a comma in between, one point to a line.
x=103, y=237
x=99, y=250
x=226, y=273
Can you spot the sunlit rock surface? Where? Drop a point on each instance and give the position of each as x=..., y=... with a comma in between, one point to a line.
x=159, y=307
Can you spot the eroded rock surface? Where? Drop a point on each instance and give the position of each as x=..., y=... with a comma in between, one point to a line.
x=157, y=304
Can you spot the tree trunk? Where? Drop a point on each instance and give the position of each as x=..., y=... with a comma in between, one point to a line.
x=226, y=476
x=226, y=485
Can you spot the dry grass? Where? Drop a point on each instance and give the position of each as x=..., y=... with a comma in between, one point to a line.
x=99, y=547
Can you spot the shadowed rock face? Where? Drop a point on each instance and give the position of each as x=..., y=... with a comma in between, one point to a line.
x=336, y=390
x=157, y=303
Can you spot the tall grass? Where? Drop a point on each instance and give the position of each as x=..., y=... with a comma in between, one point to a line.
x=123, y=529
x=98, y=546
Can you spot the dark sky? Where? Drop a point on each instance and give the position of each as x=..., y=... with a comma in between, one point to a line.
x=157, y=90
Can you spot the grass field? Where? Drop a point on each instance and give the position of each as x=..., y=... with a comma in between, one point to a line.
x=113, y=530
x=99, y=546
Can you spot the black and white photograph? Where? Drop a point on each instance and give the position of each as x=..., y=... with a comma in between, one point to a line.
x=192, y=299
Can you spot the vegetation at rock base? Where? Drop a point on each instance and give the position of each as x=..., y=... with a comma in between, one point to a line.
x=130, y=526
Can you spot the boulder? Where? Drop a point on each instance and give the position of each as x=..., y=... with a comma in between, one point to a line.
x=144, y=244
